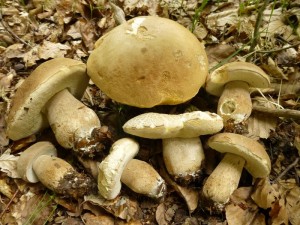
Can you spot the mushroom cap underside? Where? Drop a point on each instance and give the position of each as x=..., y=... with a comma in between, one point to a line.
x=257, y=161
x=26, y=117
x=236, y=71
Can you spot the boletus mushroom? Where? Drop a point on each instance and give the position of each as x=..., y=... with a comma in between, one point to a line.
x=182, y=149
x=231, y=82
x=49, y=96
x=39, y=163
x=120, y=166
x=241, y=152
x=148, y=61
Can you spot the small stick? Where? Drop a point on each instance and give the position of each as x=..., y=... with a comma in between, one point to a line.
x=286, y=170
x=9, y=203
x=288, y=113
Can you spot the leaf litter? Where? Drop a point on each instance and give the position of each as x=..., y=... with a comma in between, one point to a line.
x=34, y=31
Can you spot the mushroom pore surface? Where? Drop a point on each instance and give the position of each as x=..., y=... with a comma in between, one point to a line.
x=149, y=61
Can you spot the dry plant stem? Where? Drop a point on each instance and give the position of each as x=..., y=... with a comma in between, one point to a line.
x=287, y=113
x=295, y=163
x=235, y=102
x=9, y=203
x=223, y=180
x=63, y=106
x=256, y=29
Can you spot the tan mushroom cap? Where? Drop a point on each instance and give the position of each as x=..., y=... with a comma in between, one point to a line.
x=236, y=71
x=257, y=160
x=26, y=117
x=185, y=125
x=27, y=158
x=149, y=61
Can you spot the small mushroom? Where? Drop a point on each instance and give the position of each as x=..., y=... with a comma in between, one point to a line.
x=39, y=163
x=165, y=63
x=240, y=152
x=161, y=126
x=232, y=81
x=49, y=96
x=182, y=149
x=183, y=158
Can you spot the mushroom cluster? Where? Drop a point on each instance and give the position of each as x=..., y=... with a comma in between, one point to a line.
x=144, y=62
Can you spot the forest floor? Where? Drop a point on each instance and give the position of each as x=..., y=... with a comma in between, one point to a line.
x=266, y=33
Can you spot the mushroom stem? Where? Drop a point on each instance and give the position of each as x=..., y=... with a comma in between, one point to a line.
x=142, y=178
x=60, y=177
x=223, y=180
x=60, y=109
x=183, y=158
x=235, y=102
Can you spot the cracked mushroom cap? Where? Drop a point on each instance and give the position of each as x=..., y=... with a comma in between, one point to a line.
x=25, y=161
x=257, y=161
x=111, y=168
x=236, y=71
x=149, y=61
x=186, y=125
x=26, y=115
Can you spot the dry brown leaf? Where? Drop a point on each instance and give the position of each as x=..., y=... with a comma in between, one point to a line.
x=160, y=215
x=191, y=196
x=90, y=219
x=293, y=205
x=5, y=188
x=242, y=210
x=264, y=194
x=260, y=125
x=32, y=209
x=52, y=50
x=273, y=70
x=8, y=164
x=121, y=207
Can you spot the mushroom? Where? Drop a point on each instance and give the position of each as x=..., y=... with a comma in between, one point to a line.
x=49, y=96
x=148, y=61
x=182, y=149
x=110, y=172
x=39, y=163
x=232, y=81
x=240, y=152
x=186, y=125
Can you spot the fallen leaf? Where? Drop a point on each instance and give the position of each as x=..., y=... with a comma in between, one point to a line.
x=90, y=219
x=160, y=215
x=5, y=188
x=8, y=164
x=52, y=50
x=122, y=206
x=242, y=210
x=293, y=205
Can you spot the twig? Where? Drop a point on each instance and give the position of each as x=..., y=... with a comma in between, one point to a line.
x=16, y=37
x=8, y=204
x=256, y=29
x=286, y=170
x=288, y=113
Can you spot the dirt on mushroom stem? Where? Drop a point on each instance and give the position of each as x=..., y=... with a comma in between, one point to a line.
x=97, y=144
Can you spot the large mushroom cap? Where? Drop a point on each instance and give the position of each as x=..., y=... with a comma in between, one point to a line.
x=257, y=161
x=149, y=61
x=25, y=117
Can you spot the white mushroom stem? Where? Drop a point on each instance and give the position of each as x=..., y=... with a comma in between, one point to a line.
x=223, y=180
x=142, y=178
x=60, y=177
x=183, y=158
x=70, y=119
x=235, y=102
